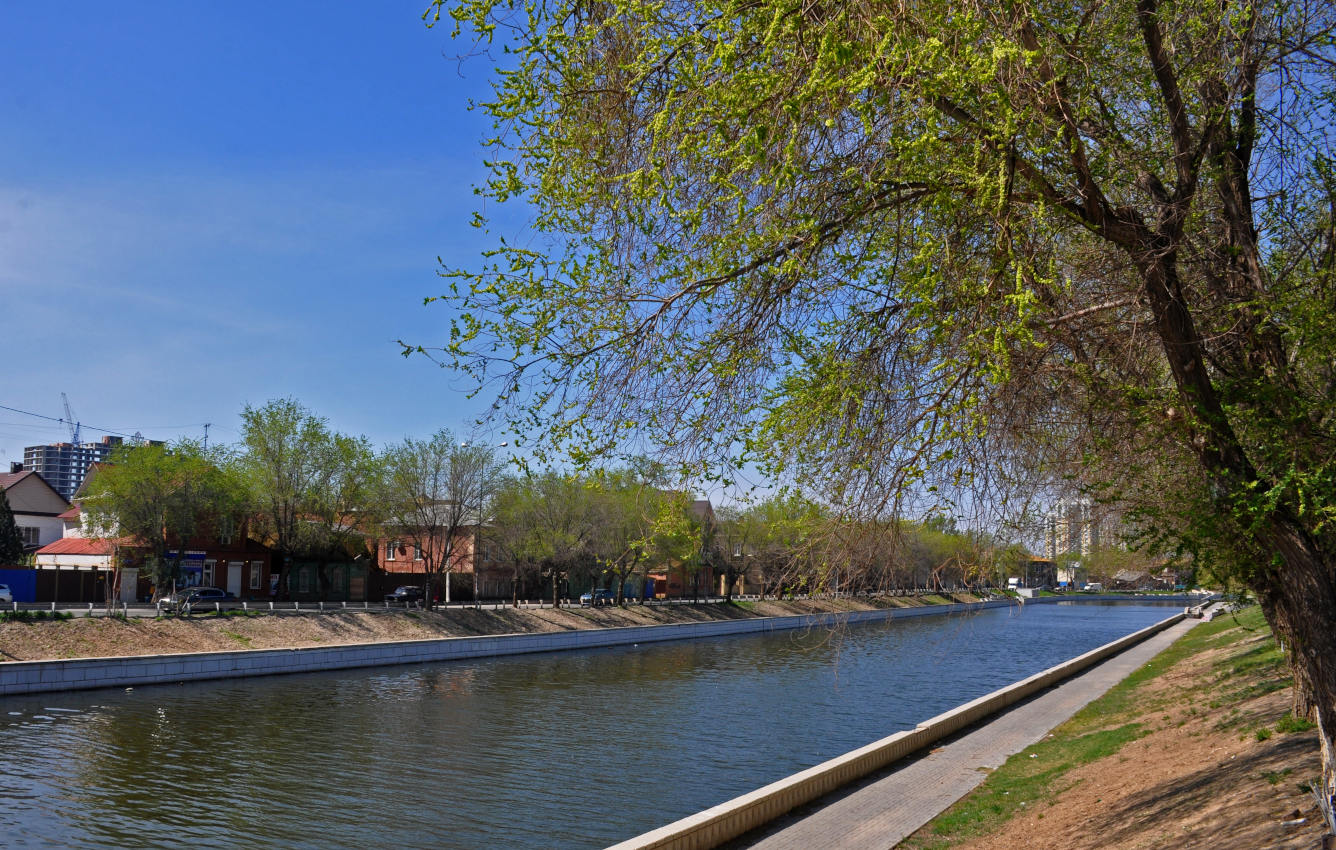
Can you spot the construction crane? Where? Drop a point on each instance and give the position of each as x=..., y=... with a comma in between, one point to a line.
x=69, y=420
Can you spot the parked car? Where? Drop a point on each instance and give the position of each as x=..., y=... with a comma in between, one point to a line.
x=601, y=596
x=405, y=594
x=5, y=595
x=196, y=596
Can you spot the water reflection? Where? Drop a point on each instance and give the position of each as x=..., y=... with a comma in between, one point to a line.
x=562, y=750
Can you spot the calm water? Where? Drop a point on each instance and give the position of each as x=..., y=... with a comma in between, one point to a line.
x=562, y=750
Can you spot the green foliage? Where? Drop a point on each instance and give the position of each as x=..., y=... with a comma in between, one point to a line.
x=159, y=497
x=239, y=638
x=11, y=540
x=857, y=244
x=641, y=526
x=544, y=526
x=891, y=252
x=314, y=490
x=776, y=542
x=1290, y=724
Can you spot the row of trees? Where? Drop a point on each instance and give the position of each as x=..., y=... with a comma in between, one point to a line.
x=607, y=529
x=308, y=492
x=315, y=495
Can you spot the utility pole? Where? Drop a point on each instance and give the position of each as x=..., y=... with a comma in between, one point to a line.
x=207, y=425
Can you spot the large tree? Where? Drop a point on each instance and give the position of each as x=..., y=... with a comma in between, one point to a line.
x=161, y=497
x=314, y=490
x=641, y=525
x=546, y=523
x=438, y=494
x=890, y=247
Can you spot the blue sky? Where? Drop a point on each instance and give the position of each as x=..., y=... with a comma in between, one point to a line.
x=211, y=204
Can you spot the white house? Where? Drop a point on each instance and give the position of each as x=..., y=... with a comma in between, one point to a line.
x=37, y=507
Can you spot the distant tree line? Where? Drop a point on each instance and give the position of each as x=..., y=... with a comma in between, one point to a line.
x=316, y=495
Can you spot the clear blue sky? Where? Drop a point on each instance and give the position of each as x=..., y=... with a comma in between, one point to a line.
x=209, y=204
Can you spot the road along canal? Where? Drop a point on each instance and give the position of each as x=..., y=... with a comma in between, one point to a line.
x=578, y=749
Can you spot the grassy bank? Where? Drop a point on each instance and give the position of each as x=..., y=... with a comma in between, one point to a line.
x=1196, y=748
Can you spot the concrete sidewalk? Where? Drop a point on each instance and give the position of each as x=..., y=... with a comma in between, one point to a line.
x=882, y=810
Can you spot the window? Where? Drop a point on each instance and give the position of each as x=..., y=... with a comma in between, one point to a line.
x=304, y=581
x=391, y=549
x=225, y=529
x=256, y=573
x=208, y=573
x=29, y=534
x=417, y=552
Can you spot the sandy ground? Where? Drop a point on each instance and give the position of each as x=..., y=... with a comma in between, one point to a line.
x=84, y=637
x=1200, y=779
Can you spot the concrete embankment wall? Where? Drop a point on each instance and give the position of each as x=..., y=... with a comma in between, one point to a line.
x=22, y=677
x=726, y=821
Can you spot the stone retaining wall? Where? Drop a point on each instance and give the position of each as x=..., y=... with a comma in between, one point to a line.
x=726, y=821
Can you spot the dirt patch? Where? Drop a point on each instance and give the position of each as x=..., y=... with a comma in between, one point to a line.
x=1216, y=768
x=85, y=637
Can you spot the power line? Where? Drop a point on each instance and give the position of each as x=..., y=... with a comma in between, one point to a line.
x=67, y=423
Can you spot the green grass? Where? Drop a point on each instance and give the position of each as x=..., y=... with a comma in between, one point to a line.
x=241, y=639
x=34, y=616
x=224, y=614
x=1035, y=776
x=1275, y=777
x=1028, y=778
x=1289, y=723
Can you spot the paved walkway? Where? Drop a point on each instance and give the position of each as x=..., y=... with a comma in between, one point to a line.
x=884, y=809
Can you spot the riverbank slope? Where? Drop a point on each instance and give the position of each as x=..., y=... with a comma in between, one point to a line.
x=1197, y=749
x=100, y=637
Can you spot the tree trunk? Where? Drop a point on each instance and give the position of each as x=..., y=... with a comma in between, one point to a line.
x=1298, y=591
x=1299, y=601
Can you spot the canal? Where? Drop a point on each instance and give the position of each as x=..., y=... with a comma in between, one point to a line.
x=569, y=750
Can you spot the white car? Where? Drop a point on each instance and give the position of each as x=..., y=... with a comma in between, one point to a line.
x=5, y=595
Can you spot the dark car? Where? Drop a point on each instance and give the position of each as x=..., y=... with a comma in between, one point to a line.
x=195, y=597
x=405, y=594
x=600, y=596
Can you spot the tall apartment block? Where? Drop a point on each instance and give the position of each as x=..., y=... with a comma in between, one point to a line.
x=1072, y=526
x=64, y=465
